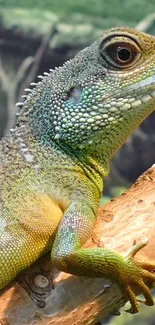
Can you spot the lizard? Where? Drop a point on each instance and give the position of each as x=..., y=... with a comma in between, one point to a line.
x=53, y=162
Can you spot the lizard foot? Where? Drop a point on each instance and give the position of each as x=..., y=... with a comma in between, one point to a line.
x=138, y=273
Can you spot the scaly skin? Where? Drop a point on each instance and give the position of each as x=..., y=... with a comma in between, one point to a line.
x=53, y=163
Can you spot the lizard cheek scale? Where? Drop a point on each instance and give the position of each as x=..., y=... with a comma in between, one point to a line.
x=54, y=161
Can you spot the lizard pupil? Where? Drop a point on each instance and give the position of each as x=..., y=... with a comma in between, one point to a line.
x=123, y=54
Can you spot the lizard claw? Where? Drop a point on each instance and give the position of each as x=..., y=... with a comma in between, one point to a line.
x=138, y=274
x=132, y=297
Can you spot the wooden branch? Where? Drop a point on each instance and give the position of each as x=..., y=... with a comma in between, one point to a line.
x=81, y=300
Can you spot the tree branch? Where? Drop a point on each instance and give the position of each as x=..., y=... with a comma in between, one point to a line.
x=81, y=300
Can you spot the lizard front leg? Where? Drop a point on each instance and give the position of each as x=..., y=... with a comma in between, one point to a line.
x=69, y=256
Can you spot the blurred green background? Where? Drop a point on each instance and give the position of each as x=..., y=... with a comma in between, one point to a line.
x=112, y=11
x=38, y=35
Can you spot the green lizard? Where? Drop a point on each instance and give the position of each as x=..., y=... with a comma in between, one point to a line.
x=53, y=162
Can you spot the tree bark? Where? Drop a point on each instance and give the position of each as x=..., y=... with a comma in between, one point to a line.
x=80, y=300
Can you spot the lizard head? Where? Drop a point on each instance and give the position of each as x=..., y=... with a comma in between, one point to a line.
x=94, y=101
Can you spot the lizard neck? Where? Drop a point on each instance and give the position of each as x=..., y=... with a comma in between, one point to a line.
x=93, y=168
x=46, y=155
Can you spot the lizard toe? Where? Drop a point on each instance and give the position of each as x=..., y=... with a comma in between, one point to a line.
x=133, y=301
x=139, y=280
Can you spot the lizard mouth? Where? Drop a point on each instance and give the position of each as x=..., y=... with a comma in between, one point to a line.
x=144, y=90
x=139, y=93
x=132, y=96
x=146, y=85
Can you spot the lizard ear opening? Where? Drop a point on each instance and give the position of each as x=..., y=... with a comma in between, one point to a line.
x=75, y=94
x=120, y=51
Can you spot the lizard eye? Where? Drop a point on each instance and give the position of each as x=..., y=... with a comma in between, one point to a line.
x=120, y=53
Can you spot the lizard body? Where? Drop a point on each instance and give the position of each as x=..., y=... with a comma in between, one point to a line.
x=53, y=162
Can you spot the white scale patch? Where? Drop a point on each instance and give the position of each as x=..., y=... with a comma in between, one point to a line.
x=24, y=150
x=3, y=224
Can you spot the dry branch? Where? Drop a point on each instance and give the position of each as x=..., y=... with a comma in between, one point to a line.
x=80, y=300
